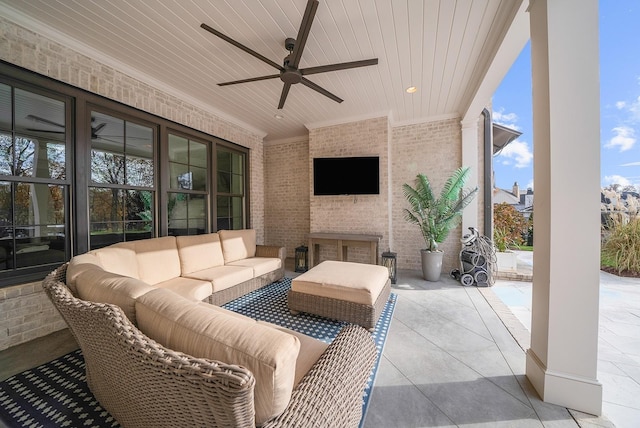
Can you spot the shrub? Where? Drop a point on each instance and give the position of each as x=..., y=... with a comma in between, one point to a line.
x=622, y=247
x=508, y=226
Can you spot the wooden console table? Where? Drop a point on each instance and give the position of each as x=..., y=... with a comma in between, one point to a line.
x=342, y=241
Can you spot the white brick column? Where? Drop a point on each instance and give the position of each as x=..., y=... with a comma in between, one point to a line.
x=562, y=360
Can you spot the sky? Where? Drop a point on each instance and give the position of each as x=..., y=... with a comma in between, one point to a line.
x=619, y=104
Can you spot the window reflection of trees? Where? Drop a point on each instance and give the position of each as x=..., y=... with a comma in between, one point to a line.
x=122, y=172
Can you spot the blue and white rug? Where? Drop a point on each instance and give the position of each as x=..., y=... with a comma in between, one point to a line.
x=55, y=394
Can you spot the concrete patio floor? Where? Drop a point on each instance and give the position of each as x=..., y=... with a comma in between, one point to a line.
x=451, y=361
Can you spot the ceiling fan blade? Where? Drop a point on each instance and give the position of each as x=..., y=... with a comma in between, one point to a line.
x=283, y=96
x=303, y=32
x=308, y=83
x=98, y=128
x=45, y=131
x=340, y=66
x=253, y=79
x=240, y=45
x=43, y=120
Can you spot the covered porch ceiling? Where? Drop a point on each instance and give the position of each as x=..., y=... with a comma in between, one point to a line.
x=455, y=52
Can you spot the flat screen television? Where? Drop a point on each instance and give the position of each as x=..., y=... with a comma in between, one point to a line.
x=346, y=175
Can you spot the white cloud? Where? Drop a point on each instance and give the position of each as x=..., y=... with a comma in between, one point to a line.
x=631, y=108
x=631, y=164
x=615, y=179
x=506, y=119
x=624, y=138
x=518, y=152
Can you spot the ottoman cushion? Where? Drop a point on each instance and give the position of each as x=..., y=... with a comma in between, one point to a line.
x=353, y=282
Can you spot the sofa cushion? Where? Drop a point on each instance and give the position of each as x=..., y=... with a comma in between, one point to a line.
x=79, y=264
x=310, y=351
x=205, y=332
x=223, y=277
x=198, y=252
x=100, y=286
x=119, y=258
x=260, y=265
x=238, y=244
x=192, y=289
x=157, y=259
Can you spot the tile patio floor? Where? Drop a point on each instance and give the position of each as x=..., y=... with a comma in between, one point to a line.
x=619, y=338
x=450, y=361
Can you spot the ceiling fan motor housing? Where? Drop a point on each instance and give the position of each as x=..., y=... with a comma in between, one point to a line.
x=289, y=44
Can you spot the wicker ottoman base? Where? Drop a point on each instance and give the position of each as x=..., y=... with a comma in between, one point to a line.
x=337, y=308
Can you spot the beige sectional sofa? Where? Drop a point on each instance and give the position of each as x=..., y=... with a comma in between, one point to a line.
x=215, y=268
x=188, y=363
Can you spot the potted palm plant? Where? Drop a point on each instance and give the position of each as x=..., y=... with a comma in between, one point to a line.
x=436, y=216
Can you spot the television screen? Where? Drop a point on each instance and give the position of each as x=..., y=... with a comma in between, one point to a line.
x=346, y=176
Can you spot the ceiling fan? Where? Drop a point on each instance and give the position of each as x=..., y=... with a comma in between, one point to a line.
x=289, y=72
x=94, y=129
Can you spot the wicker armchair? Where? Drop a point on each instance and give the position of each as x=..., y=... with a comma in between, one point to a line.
x=143, y=384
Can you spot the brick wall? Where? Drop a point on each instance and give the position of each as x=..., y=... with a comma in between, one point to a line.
x=435, y=149
x=363, y=214
x=287, y=195
x=25, y=312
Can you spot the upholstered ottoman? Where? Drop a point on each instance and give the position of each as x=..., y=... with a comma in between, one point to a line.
x=352, y=292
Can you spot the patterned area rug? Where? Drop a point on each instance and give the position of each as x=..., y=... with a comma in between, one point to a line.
x=55, y=394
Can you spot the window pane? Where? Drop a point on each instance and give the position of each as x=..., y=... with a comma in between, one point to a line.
x=6, y=211
x=180, y=177
x=237, y=163
x=224, y=161
x=106, y=216
x=178, y=149
x=236, y=184
x=224, y=182
x=56, y=162
x=199, y=178
x=187, y=214
x=41, y=158
x=197, y=213
x=236, y=213
x=139, y=224
x=107, y=167
x=139, y=171
x=39, y=115
x=6, y=154
x=223, y=209
x=139, y=153
x=24, y=156
x=107, y=208
x=198, y=154
x=5, y=107
x=37, y=204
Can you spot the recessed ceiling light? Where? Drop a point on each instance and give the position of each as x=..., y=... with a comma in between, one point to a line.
x=411, y=89
x=279, y=116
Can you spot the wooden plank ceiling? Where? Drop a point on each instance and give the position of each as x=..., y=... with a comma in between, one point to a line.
x=443, y=47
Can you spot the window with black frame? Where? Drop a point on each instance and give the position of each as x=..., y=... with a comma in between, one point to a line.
x=122, y=191
x=34, y=181
x=230, y=192
x=188, y=193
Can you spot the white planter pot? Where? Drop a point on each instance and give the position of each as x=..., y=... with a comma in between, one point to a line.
x=507, y=261
x=431, y=264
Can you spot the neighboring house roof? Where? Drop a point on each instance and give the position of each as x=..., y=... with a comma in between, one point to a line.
x=501, y=195
x=503, y=135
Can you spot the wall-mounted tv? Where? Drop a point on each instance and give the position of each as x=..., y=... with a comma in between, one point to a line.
x=346, y=175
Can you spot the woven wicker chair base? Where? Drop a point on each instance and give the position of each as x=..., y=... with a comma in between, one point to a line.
x=337, y=309
x=144, y=384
